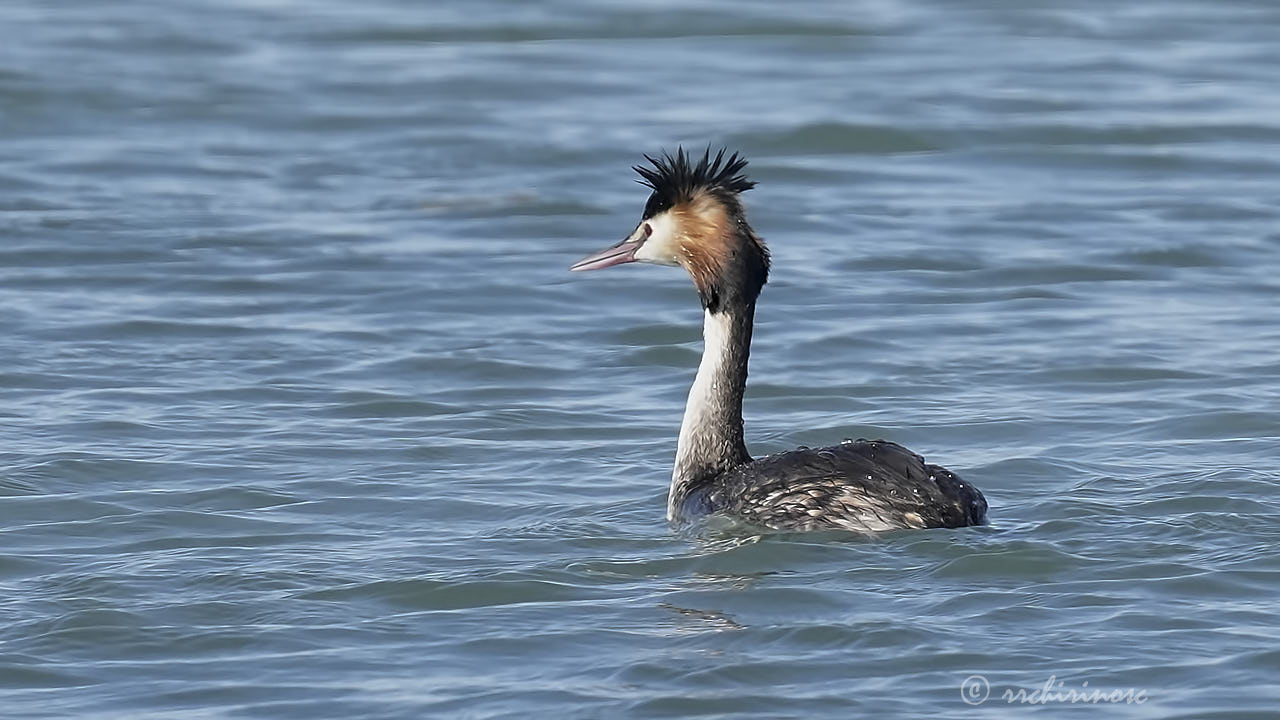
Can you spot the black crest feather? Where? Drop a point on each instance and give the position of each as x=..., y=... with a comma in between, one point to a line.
x=676, y=178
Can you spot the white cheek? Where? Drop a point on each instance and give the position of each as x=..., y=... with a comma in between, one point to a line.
x=663, y=245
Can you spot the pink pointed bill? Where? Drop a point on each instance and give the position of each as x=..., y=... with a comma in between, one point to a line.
x=623, y=252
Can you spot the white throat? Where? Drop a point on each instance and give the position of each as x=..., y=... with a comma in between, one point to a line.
x=711, y=431
x=698, y=408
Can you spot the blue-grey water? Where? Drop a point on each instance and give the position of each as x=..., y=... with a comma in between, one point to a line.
x=302, y=415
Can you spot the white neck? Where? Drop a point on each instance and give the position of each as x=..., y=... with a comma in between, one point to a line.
x=711, y=433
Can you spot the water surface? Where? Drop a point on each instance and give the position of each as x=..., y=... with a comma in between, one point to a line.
x=304, y=417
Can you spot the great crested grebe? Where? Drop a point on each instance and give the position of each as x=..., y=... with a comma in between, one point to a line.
x=694, y=219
